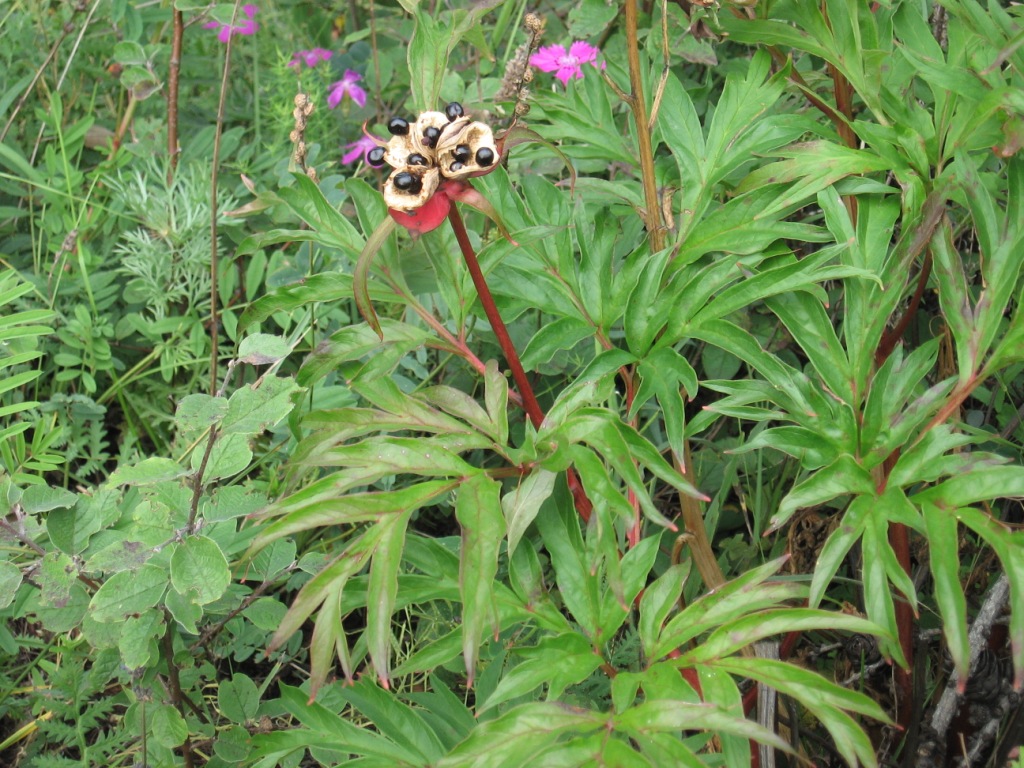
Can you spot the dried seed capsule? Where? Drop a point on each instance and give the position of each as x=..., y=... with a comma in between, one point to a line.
x=431, y=135
x=462, y=153
x=454, y=110
x=416, y=159
x=398, y=126
x=406, y=182
x=485, y=156
x=375, y=157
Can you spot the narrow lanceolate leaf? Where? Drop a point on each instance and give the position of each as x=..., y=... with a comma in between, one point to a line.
x=496, y=400
x=360, y=277
x=382, y=592
x=303, y=512
x=661, y=715
x=479, y=513
x=844, y=475
x=522, y=503
x=519, y=734
x=825, y=700
x=328, y=639
x=330, y=730
x=329, y=581
x=944, y=558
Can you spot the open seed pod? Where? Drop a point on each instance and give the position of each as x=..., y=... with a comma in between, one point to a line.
x=468, y=151
x=409, y=187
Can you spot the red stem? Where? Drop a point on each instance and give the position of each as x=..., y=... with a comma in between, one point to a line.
x=530, y=404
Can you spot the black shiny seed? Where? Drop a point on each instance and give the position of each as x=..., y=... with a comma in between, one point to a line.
x=462, y=153
x=454, y=110
x=375, y=157
x=456, y=167
x=485, y=156
x=406, y=182
x=398, y=126
x=416, y=159
x=431, y=135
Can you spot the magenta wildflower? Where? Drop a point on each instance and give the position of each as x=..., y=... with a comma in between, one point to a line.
x=357, y=149
x=246, y=26
x=347, y=87
x=309, y=58
x=566, y=64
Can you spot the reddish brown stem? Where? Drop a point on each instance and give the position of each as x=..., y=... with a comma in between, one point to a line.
x=892, y=337
x=172, y=89
x=530, y=404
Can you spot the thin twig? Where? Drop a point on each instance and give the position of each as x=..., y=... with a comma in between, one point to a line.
x=35, y=79
x=218, y=132
x=177, y=697
x=173, y=74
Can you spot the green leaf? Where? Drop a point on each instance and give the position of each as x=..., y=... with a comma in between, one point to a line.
x=577, y=587
x=519, y=735
x=478, y=510
x=382, y=590
x=522, y=504
x=980, y=484
x=238, y=699
x=843, y=476
x=41, y=498
x=251, y=411
x=147, y=472
x=326, y=729
x=659, y=600
x=558, y=661
x=394, y=719
x=128, y=592
x=651, y=717
x=230, y=455
x=10, y=580
x=197, y=413
x=263, y=349
x=57, y=574
x=137, y=639
x=496, y=400
x=330, y=227
x=169, y=727
x=361, y=276
x=838, y=545
x=71, y=529
x=562, y=334
x=129, y=52
x=329, y=287
x=185, y=609
x=824, y=699
x=304, y=510
x=198, y=565
x=813, y=449
x=944, y=558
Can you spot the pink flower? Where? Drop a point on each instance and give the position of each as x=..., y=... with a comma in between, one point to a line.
x=245, y=27
x=357, y=149
x=347, y=87
x=565, y=64
x=309, y=58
